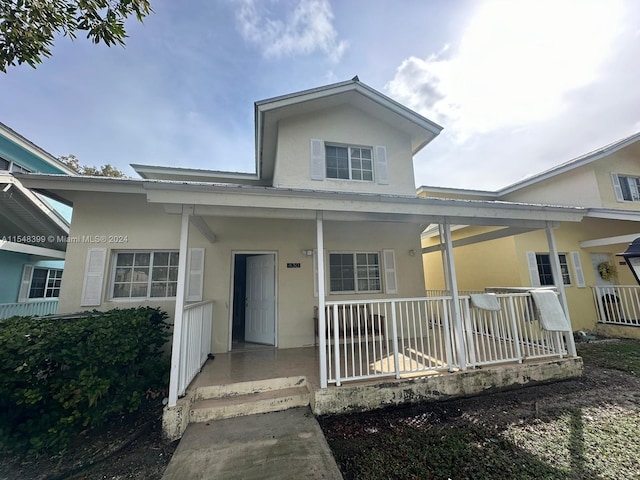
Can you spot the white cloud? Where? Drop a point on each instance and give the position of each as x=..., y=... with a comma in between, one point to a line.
x=513, y=67
x=307, y=28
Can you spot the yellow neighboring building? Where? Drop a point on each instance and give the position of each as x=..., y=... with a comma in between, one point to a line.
x=601, y=292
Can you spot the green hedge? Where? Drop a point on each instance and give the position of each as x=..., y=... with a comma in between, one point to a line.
x=61, y=376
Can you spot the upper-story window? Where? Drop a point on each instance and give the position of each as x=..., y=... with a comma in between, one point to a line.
x=630, y=187
x=349, y=163
x=10, y=166
x=626, y=187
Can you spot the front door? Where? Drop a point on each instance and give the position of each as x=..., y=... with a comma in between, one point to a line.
x=260, y=306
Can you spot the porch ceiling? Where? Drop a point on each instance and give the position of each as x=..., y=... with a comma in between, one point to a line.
x=23, y=213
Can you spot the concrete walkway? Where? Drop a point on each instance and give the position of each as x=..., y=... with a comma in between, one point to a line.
x=278, y=445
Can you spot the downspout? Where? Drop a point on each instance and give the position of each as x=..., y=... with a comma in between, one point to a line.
x=174, y=377
x=559, y=284
x=322, y=339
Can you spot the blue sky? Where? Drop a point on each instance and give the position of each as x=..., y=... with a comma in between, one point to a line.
x=519, y=86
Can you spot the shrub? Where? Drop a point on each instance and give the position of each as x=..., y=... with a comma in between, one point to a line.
x=61, y=376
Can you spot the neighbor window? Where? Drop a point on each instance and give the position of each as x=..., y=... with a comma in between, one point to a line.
x=543, y=261
x=354, y=272
x=349, y=163
x=145, y=274
x=45, y=283
x=630, y=187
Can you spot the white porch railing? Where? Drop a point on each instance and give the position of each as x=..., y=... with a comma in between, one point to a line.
x=196, y=341
x=618, y=304
x=35, y=308
x=400, y=337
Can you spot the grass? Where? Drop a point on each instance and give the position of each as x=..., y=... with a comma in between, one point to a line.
x=623, y=355
x=581, y=429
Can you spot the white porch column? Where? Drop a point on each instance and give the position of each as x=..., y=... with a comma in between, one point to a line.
x=444, y=255
x=455, y=298
x=174, y=377
x=559, y=284
x=322, y=321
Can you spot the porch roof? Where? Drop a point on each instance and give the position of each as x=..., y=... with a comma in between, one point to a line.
x=259, y=201
x=24, y=214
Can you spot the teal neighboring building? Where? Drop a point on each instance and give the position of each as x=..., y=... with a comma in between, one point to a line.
x=33, y=230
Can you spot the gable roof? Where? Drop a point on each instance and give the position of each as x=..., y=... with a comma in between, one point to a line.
x=572, y=164
x=22, y=150
x=268, y=112
x=577, y=162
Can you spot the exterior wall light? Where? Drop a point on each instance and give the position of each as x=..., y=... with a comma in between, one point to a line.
x=307, y=253
x=632, y=256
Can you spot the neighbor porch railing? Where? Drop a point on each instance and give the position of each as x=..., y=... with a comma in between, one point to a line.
x=196, y=341
x=618, y=304
x=400, y=337
x=35, y=308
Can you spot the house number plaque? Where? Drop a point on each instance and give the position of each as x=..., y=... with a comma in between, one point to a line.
x=293, y=265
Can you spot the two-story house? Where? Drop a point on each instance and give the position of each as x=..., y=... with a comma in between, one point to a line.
x=305, y=274
x=601, y=292
x=33, y=230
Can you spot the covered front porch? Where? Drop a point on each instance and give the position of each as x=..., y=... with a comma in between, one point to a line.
x=380, y=353
x=395, y=334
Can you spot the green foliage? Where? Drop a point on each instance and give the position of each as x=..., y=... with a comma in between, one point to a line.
x=28, y=27
x=107, y=170
x=61, y=376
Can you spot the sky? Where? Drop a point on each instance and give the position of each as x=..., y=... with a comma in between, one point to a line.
x=519, y=86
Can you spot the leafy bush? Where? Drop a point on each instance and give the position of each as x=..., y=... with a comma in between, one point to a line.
x=61, y=376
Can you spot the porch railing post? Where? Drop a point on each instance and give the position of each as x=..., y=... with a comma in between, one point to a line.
x=322, y=321
x=336, y=345
x=394, y=333
x=514, y=328
x=471, y=347
x=447, y=334
x=455, y=298
x=559, y=283
x=176, y=354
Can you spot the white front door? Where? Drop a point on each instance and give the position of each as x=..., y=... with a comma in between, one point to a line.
x=260, y=311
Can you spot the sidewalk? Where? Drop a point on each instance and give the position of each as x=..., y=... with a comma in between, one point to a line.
x=278, y=445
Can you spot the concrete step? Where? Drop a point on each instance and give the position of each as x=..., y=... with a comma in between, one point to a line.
x=249, y=404
x=244, y=388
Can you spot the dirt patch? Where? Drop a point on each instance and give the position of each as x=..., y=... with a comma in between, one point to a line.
x=542, y=431
x=130, y=447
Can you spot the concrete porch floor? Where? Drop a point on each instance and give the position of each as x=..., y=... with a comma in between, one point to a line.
x=262, y=379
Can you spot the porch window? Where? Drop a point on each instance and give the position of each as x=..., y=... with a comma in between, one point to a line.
x=543, y=261
x=145, y=274
x=45, y=283
x=354, y=272
x=349, y=163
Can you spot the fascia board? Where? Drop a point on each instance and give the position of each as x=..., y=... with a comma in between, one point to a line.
x=144, y=170
x=628, y=215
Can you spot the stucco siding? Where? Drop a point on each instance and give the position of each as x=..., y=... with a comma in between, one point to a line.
x=578, y=187
x=145, y=226
x=348, y=126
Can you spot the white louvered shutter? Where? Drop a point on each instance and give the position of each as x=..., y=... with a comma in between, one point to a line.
x=382, y=170
x=93, y=276
x=533, y=269
x=577, y=269
x=390, y=278
x=317, y=159
x=616, y=187
x=25, y=283
x=195, y=275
